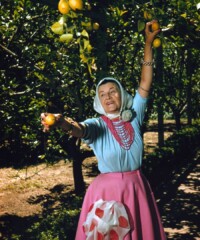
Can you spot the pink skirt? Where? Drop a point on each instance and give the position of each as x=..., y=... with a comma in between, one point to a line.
x=134, y=192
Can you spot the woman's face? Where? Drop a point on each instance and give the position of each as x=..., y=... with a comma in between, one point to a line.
x=110, y=97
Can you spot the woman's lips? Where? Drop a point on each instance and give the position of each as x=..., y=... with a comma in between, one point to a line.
x=109, y=103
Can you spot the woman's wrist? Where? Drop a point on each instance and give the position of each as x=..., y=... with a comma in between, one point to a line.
x=148, y=45
x=65, y=124
x=147, y=63
x=73, y=128
x=148, y=53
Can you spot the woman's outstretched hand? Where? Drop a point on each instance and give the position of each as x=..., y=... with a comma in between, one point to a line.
x=150, y=33
x=50, y=121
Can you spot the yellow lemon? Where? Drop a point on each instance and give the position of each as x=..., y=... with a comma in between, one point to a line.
x=63, y=6
x=155, y=26
x=156, y=42
x=76, y=4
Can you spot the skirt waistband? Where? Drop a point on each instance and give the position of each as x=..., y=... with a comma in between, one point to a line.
x=121, y=174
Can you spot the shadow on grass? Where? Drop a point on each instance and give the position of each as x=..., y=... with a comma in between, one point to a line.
x=178, y=201
x=11, y=225
x=58, y=220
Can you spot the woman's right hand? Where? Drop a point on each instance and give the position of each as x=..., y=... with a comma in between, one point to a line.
x=149, y=34
x=50, y=121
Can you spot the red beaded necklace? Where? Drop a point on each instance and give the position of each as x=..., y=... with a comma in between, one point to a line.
x=121, y=130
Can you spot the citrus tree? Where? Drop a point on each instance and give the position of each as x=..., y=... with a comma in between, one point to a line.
x=38, y=74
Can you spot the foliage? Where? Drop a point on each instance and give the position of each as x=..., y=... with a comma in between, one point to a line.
x=33, y=78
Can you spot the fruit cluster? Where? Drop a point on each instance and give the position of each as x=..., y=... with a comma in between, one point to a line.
x=154, y=27
x=70, y=9
x=64, y=6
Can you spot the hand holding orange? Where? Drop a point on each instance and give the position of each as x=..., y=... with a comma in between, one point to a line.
x=50, y=119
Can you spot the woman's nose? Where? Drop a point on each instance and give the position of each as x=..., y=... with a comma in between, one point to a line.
x=108, y=95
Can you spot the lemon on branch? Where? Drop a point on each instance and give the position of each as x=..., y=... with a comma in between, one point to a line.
x=76, y=4
x=157, y=42
x=155, y=26
x=63, y=6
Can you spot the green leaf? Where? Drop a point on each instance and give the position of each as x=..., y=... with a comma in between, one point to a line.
x=141, y=25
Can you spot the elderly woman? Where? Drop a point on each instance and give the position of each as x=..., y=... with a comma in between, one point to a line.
x=119, y=203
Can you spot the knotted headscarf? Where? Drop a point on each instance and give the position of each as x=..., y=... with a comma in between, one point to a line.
x=126, y=101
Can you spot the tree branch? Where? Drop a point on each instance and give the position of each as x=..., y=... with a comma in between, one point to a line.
x=7, y=50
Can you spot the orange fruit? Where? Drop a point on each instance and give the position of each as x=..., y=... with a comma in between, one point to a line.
x=50, y=119
x=63, y=6
x=156, y=42
x=76, y=4
x=155, y=26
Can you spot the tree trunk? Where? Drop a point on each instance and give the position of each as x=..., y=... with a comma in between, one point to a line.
x=160, y=125
x=70, y=146
x=177, y=116
x=189, y=87
x=79, y=183
x=159, y=80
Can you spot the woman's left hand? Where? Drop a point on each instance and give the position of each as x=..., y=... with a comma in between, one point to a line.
x=149, y=34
